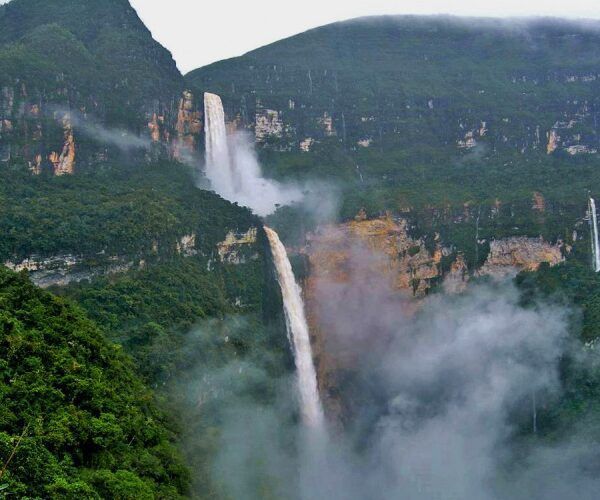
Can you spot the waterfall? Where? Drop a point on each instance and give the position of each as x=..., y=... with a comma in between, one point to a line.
x=232, y=166
x=594, y=236
x=219, y=167
x=297, y=329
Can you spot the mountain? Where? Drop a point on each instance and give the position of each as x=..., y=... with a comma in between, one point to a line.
x=457, y=151
x=424, y=110
x=96, y=207
x=80, y=82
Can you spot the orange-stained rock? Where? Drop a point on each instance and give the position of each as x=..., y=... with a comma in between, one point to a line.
x=514, y=254
x=539, y=202
x=64, y=163
x=553, y=142
x=188, y=127
x=154, y=128
x=457, y=279
x=387, y=254
x=35, y=166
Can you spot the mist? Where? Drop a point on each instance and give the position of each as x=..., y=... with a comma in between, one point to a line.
x=244, y=183
x=93, y=129
x=439, y=401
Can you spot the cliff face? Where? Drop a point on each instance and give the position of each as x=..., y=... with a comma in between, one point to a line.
x=237, y=248
x=62, y=269
x=404, y=261
x=515, y=254
x=188, y=127
x=379, y=258
x=64, y=163
x=407, y=95
x=94, y=60
x=352, y=258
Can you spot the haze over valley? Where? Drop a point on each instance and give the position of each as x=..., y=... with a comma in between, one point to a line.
x=360, y=262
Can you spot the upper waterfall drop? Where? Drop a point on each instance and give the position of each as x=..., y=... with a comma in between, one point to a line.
x=233, y=169
x=297, y=329
x=594, y=234
x=219, y=167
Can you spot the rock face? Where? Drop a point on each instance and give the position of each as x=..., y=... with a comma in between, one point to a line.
x=381, y=259
x=64, y=163
x=320, y=95
x=457, y=279
x=359, y=257
x=402, y=260
x=515, y=254
x=238, y=248
x=268, y=123
x=186, y=245
x=188, y=127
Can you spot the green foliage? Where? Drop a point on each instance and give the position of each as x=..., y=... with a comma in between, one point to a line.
x=93, y=54
x=150, y=311
x=576, y=288
x=91, y=427
x=118, y=210
x=413, y=87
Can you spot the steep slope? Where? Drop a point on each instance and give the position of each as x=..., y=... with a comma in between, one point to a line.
x=80, y=423
x=413, y=110
x=84, y=67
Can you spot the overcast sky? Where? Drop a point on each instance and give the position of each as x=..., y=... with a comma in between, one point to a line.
x=199, y=32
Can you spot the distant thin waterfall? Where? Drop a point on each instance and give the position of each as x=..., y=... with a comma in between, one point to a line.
x=219, y=167
x=297, y=328
x=594, y=238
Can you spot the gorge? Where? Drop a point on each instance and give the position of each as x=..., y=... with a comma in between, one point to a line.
x=360, y=262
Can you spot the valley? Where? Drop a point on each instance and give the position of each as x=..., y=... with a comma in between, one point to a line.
x=289, y=275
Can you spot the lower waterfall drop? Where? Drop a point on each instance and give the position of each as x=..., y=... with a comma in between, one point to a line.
x=297, y=329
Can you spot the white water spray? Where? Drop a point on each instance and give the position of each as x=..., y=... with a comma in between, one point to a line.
x=297, y=328
x=233, y=169
x=594, y=236
x=219, y=168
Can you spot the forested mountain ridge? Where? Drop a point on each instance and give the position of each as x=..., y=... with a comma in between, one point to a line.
x=424, y=110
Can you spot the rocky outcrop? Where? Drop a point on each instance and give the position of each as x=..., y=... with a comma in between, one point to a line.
x=188, y=127
x=553, y=142
x=238, y=248
x=468, y=142
x=64, y=163
x=186, y=245
x=268, y=123
x=457, y=278
x=154, y=126
x=326, y=123
x=306, y=144
x=380, y=257
x=511, y=255
x=60, y=270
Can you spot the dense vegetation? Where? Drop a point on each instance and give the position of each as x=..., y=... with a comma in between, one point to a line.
x=151, y=311
x=95, y=55
x=575, y=286
x=208, y=341
x=120, y=210
x=79, y=421
x=412, y=88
